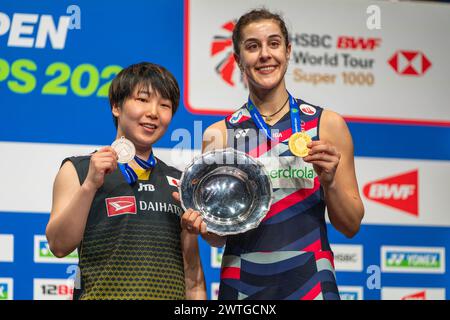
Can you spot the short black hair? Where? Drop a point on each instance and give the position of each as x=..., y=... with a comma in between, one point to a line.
x=256, y=15
x=144, y=75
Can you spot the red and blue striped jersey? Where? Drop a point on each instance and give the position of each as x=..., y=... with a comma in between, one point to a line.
x=288, y=256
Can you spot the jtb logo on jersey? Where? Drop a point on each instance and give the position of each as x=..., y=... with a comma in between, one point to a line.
x=400, y=191
x=121, y=205
x=413, y=259
x=146, y=187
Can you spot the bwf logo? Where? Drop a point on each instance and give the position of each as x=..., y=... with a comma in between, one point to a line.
x=399, y=191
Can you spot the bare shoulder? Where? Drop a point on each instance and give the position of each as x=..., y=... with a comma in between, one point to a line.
x=67, y=173
x=332, y=121
x=66, y=183
x=334, y=129
x=215, y=136
x=219, y=125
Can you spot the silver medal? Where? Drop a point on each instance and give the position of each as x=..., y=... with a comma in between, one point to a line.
x=125, y=150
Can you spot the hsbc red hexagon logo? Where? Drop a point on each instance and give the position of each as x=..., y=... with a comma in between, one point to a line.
x=400, y=192
x=120, y=205
x=410, y=63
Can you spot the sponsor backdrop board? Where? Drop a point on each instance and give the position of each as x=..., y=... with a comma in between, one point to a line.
x=57, y=59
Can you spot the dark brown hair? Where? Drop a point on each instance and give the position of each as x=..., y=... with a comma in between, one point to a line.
x=144, y=75
x=254, y=16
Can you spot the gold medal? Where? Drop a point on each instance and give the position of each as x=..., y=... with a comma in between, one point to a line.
x=298, y=144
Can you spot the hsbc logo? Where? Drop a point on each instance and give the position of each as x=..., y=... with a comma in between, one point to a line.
x=120, y=205
x=409, y=63
x=400, y=192
x=347, y=257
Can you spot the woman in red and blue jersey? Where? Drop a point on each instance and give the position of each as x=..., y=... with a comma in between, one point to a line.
x=288, y=256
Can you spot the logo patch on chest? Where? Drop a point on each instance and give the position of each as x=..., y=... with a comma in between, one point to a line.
x=289, y=172
x=120, y=205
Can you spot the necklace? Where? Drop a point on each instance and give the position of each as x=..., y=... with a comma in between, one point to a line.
x=269, y=117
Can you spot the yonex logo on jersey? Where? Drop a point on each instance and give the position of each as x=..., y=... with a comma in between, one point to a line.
x=146, y=187
x=241, y=133
x=120, y=205
x=400, y=191
x=307, y=109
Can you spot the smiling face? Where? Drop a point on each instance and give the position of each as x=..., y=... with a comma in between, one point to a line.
x=144, y=117
x=263, y=55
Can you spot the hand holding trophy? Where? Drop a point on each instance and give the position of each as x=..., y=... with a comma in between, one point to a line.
x=231, y=191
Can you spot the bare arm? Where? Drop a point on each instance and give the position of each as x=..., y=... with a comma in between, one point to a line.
x=72, y=201
x=333, y=160
x=193, y=271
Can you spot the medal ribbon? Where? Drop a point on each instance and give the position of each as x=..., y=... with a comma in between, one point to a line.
x=128, y=171
x=259, y=121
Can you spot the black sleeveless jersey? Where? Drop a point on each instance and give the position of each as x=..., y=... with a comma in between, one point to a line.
x=131, y=247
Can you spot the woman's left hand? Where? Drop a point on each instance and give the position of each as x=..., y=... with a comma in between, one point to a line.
x=325, y=159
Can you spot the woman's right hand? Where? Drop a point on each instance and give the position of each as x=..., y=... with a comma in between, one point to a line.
x=192, y=221
x=103, y=162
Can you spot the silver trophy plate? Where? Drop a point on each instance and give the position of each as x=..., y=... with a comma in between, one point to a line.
x=230, y=189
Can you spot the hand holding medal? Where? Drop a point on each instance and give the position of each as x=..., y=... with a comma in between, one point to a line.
x=126, y=153
x=125, y=150
x=325, y=159
x=102, y=162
